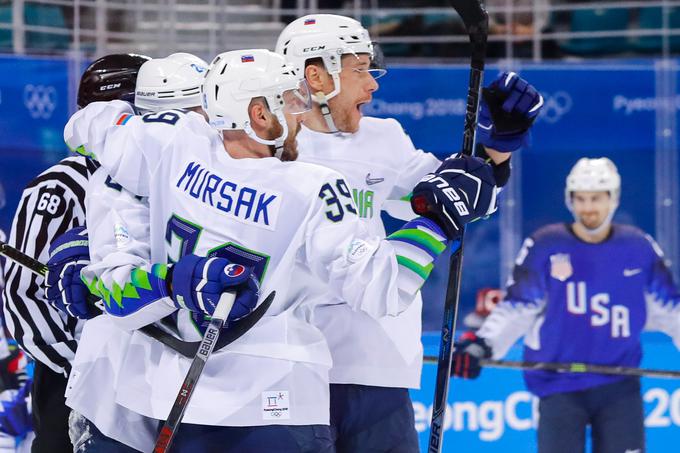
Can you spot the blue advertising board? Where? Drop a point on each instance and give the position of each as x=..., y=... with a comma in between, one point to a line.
x=496, y=413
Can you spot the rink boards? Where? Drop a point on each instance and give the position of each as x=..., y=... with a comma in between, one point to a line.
x=496, y=413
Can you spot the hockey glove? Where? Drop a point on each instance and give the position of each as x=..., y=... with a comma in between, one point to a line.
x=462, y=189
x=15, y=418
x=198, y=282
x=466, y=356
x=65, y=290
x=13, y=368
x=507, y=109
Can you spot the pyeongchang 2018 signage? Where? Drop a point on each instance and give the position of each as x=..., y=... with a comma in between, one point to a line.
x=586, y=105
x=496, y=413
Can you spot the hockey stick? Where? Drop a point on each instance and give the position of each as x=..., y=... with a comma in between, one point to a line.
x=212, y=333
x=573, y=368
x=186, y=348
x=22, y=259
x=476, y=23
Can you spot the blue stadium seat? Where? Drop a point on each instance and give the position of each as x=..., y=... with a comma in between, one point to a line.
x=652, y=19
x=36, y=14
x=50, y=16
x=584, y=20
x=6, y=35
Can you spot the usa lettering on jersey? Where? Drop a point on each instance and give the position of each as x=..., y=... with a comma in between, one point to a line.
x=600, y=309
x=243, y=203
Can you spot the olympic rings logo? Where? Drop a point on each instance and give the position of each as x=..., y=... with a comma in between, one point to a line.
x=555, y=106
x=40, y=100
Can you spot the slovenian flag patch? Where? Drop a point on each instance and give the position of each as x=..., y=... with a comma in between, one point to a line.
x=310, y=21
x=124, y=118
x=247, y=58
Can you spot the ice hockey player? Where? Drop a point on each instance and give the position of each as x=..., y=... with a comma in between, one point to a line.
x=376, y=361
x=582, y=292
x=213, y=211
x=162, y=83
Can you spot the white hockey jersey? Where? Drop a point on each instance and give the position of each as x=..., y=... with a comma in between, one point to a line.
x=118, y=226
x=380, y=165
x=300, y=217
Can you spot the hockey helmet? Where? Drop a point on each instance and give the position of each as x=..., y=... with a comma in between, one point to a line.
x=235, y=78
x=594, y=175
x=110, y=77
x=173, y=82
x=329, y=37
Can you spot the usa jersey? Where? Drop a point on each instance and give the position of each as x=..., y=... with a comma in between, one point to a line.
x=380, y=165
x=297, y=218
x=580, y=302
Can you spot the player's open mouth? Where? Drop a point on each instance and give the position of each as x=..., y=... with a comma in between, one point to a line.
x=361, y=104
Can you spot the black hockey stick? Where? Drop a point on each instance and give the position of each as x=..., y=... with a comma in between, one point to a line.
x=476, y=23
x=210, y=337
x=186, y=348
x=22, y=259
x=573, y=368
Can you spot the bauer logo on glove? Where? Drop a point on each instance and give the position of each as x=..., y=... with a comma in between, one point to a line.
x=463, y=189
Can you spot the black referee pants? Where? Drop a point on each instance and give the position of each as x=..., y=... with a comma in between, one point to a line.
x=50, y=414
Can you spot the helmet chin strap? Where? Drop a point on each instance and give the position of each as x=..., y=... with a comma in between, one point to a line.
x=322, y=100
x=278, y=142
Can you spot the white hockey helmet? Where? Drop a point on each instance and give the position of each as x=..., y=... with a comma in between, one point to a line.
x=235, y=78
x=594, y=175
x=173, y=82
x=329, y=37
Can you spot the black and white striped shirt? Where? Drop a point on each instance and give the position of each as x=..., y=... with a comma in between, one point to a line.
x=50, y=205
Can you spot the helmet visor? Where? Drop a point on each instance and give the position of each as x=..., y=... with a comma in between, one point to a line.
x=378, y=68
x=297, y=100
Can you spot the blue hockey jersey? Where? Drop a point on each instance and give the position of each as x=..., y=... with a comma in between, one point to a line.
x=580, y=302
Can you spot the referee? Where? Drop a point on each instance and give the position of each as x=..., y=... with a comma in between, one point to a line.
x=51, y=204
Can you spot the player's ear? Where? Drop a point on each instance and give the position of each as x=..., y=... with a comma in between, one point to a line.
x=259, y=114
x=317, y=77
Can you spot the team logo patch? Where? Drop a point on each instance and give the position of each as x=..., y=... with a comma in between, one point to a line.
x=120, y=232
x=247, y=58
x=310, y=21
x=560, y=266
x=234, y=270
x=357, y=250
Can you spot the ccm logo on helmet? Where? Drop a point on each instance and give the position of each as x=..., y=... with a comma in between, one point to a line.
x=109, y=87
x=234, y=270
x=313, y=49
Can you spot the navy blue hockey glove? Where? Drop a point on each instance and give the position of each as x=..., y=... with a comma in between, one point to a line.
x=198, y=282
x=15, y=418
x=507, y=109
x=463, y=189
x=69, y=254
x=467, y=352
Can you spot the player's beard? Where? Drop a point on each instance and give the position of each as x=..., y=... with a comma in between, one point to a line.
x=591, y=221
x=290, y=151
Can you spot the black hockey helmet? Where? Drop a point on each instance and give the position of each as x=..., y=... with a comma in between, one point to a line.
x=110, y=77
